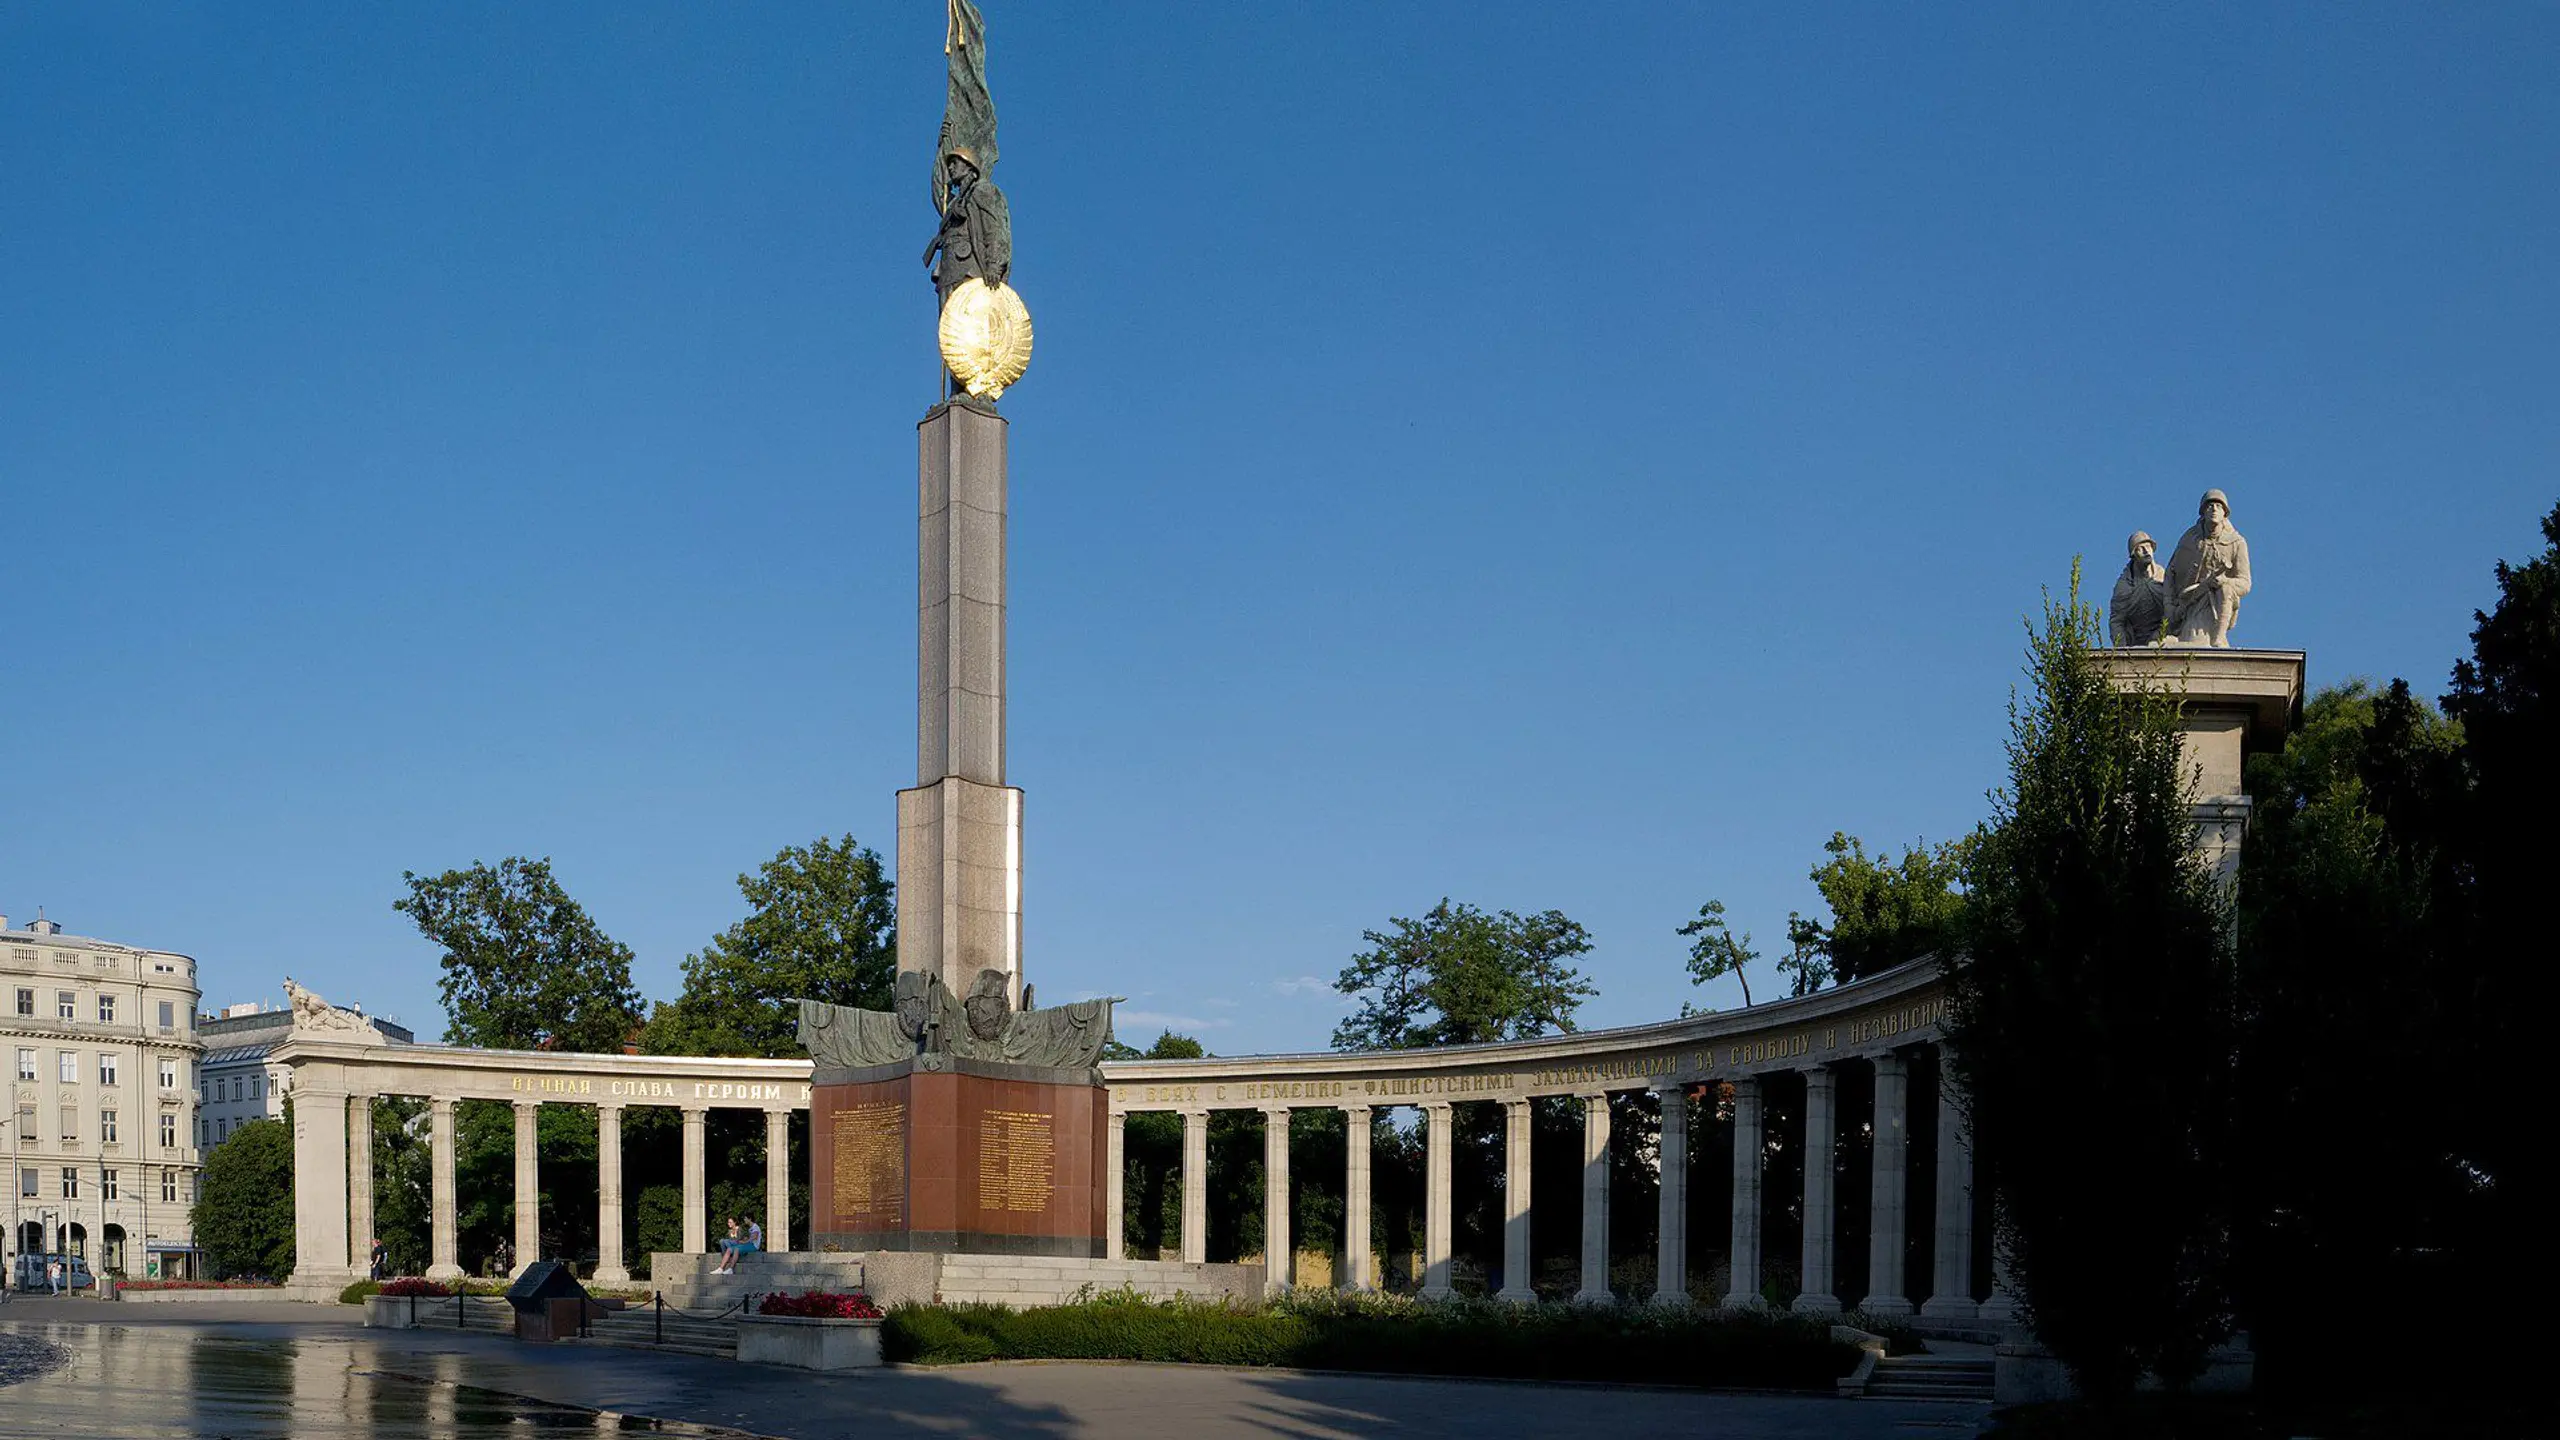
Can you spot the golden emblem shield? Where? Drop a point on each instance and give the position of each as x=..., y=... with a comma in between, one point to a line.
x=986, y=336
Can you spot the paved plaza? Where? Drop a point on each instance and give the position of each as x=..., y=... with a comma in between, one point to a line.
x=310, y=1371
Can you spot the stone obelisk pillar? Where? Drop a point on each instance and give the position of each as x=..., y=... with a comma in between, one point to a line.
x=960, y=828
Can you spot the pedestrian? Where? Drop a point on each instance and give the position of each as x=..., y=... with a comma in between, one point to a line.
x=53, y=1275
x=753, y=1242
x=376, y=1272
x=729, y=1249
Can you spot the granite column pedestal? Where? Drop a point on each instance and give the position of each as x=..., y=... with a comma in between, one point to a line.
x=949, y=1155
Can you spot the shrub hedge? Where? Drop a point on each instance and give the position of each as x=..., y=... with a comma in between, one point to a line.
x=1330, y=1331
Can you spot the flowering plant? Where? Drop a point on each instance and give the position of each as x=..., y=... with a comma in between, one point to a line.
x=412, y=1285
x=820, y=1305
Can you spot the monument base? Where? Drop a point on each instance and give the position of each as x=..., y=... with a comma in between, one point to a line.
x=958, y=1156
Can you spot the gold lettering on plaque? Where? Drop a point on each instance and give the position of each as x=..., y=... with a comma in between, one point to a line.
x=1013, y=1160
x=871, y=1166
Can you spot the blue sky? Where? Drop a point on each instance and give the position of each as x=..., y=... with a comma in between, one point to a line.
x=1548, y=456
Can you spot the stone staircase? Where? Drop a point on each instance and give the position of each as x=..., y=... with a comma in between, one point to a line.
x=1932, y=1377
x=690, y=1282
x=646, y=1327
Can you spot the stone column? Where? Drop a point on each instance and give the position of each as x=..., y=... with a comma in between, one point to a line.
x=1744, y=1292
x=960, y=829
x=1671, y=1244
x=1951, y=1280
x=2002, y=1308
x=1595, y=1201
x=1516, y=1171
x=1195, y=1186
x=1435, y=1201
x=1885, y=1208
x=697, y=1225
x=1355, y=1199
x=611, y=1269
x=360, y=1184
x=1821, y=1132
x=320, y=1190
x=1115, y=1185
x=777, y=1181
x=528, y=1185
x=444, y=1263
x=1279, y=1256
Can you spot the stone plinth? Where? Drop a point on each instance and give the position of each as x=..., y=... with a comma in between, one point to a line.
x=971, y=1157
x=806, y=1343
x=2233, y=703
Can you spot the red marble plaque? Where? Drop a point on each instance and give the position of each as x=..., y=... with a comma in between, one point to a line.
x=948, y=1160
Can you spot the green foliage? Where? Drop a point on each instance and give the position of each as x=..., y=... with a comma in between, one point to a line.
x=355, y=1294
x=2354, y=943
x=524, y=966
x=1459, y=976
x=1332, y=1330
x=402, y=1151
x=243, y=1215
x=2091, y=1019
x=2507, y=698
x=821, y=925
x=1883, y=914
x=1714, y=953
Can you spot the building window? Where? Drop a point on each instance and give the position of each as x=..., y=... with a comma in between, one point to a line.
x=168, y=1185
x=70, y=1182
x=26, y=1001
x=106, y=1127
x=107, y=1186
x=26, y=1063
x=106, y=1069
x=66, y=1004
x=67, y=1064
x=168, y=1131
x=70, y=1127
x=168, y=1074
x=235, y=1087
x=168, y=1015
x=221, y=1131
x=106, y=1009
x=27, y=1183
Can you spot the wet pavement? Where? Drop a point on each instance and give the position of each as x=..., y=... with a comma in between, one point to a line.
x=303, y=1371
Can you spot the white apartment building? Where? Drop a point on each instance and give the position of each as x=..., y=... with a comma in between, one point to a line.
x=236, y=1084
x=102, y=1137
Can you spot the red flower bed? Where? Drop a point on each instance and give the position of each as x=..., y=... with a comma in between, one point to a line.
x=820, y=1305
x=412, y=1285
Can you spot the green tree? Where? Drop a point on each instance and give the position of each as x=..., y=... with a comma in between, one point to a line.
x=1808, y=963
x=2091, y=1020
x=821, y=925
x=1883, y=913
x=1459, y=976
x=2506, y=696
x=524, y=966
x=1151, y=1159
x=401, y=1208
x=243, y=1215
x=1714, y=952
x=2354, y=942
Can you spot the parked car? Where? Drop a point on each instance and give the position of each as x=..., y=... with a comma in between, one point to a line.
x=75, y=1272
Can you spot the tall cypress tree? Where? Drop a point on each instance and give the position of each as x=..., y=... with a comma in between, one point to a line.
x=2091, y=1014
